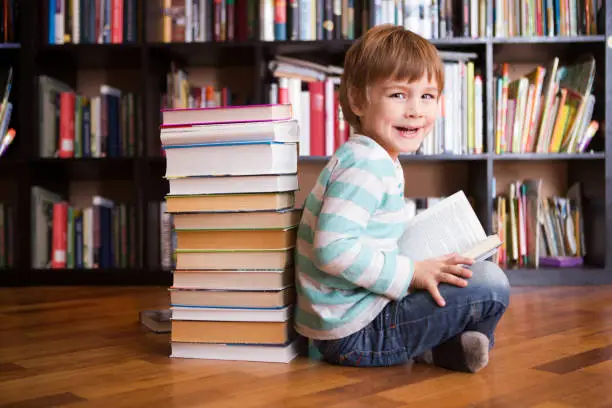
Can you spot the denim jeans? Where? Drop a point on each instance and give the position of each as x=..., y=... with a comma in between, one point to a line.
x=415, y=324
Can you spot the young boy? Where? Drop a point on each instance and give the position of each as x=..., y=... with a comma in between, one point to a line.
x=360, y=300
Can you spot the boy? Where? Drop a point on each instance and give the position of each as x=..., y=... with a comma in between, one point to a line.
x=359, y=300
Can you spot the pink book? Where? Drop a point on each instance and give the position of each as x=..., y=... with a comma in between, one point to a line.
x=225, y=114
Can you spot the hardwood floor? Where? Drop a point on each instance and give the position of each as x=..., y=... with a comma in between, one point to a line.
x=84, y=347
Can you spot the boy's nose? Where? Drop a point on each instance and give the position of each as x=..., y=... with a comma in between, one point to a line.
x=412, y=108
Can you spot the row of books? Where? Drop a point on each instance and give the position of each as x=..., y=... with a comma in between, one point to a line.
x=7, y=235
x=232, y=176
x=432, y=19
x=204, y=20
x=117, y=21
x=77, y=125
x=459, y=128
x=326, y=20
x=548, y=109
x=312, y=91
x=182, y=93
x=93, y=22
x=99, y=235
x=307, y=20
x=538, y=230
x=550, y=18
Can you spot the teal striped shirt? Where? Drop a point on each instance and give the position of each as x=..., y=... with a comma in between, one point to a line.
x=347, y=262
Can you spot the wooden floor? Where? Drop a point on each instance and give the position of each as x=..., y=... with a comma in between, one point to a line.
x=83, y=347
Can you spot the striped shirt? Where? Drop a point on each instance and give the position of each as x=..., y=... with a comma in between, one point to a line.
x=346, y=259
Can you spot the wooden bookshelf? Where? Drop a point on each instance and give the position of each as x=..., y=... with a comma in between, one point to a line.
x=141, y=67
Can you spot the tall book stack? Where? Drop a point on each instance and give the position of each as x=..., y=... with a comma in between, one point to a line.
x=232, y=174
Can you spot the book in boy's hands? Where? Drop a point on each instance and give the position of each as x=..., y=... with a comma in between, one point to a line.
x=450, y=226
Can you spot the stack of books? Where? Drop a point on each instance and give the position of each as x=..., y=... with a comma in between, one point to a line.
x=232, y=174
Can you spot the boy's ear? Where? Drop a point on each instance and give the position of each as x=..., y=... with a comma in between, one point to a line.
x=355, y=101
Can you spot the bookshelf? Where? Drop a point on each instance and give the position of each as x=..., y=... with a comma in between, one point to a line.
x=136, y=178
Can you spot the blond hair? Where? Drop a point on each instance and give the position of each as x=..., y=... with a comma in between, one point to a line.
x=386, y=52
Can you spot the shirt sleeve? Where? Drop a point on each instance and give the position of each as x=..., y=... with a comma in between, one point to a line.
x=340, y=246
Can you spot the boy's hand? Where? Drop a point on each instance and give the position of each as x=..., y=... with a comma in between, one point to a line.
x=429, y=273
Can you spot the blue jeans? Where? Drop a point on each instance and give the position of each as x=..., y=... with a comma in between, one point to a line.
x=408, y=328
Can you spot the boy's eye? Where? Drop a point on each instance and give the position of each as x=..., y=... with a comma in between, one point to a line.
x=398, y=95
x=429, y=96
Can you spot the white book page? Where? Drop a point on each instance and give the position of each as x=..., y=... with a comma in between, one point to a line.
x=449, y=226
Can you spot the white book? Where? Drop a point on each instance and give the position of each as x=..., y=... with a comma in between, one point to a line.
x=237, y=352
x=305, y=124
x=231, y=159
x=231, y=314
x=280, y=131
x=260, y=183
x=449, y=226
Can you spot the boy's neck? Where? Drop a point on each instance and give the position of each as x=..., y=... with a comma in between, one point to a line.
x=393, y=155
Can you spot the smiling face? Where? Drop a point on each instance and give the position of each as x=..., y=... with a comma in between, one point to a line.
x=398, y=114
x=391, y=86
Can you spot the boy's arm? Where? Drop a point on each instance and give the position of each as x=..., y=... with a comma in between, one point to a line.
x=340, y=248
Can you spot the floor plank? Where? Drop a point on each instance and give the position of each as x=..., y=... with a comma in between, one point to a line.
x=83, y=347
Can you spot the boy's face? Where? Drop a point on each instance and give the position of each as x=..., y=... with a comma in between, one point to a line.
x=400, y=114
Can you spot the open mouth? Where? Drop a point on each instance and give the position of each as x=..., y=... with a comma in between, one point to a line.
x=407, y=131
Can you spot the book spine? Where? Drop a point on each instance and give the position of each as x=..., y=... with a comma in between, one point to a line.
x=117, y=22
x=231, y=20
x=66, y=125
x=52, y=8
x=306, y=17
x=280, y=20
x=328, y=19
x=293, y=20
x=78, y=240
x=317, y=118
x=59, y=238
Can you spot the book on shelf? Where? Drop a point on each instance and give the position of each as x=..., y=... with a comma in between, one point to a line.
x=309, y=20
x=539, y=230
x=182, y=92
x=74, y=125
x=548, y=109
x=99, y=22
x=234, y=222
x=547, y=19
x=448, y=226
x=66, y=236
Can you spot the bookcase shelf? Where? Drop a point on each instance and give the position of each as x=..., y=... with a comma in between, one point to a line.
x=208, y=53
x=90, y=56
x=84, y=168
x=550, y=156
x=560, y=276
x=568, y=39
x=113, y=276
x=241, y=65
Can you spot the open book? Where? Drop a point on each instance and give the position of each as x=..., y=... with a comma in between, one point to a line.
x=449, y=226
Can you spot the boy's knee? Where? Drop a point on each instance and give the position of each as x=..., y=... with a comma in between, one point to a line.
x=489, y=275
